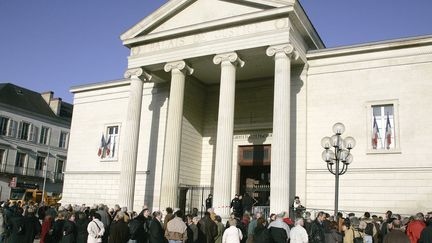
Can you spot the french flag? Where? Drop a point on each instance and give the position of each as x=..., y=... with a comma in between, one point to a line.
x=388, y=133
x=375, y=134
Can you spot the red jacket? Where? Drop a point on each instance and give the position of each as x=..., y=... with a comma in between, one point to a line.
x=46, y=227
x=414, y=230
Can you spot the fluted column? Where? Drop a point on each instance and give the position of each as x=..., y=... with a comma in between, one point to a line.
x=131, y=134
x=280, y=150
x=225, y=128
x=170, y=174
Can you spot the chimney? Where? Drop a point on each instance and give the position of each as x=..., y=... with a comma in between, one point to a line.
x=55, y=105
x=47, y=96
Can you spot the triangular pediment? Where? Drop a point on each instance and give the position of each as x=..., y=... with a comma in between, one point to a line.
x=176, y=14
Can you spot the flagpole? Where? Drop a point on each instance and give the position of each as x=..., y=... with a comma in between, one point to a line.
x=45, y=174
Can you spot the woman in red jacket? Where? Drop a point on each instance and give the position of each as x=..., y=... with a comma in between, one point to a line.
x=46, y=230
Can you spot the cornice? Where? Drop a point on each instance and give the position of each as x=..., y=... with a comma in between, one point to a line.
x=371, y=47
x=100, y=85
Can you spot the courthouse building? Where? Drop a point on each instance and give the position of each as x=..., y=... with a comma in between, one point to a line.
x=234, y=96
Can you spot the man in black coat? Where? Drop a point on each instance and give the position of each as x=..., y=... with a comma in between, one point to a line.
x=32, y=226
x=207, y=229
x=317, y=234
x=236, y=206
x=209, y=201
x=156, y=232
x=81, y=228
x=16, y=226
x=426, y=234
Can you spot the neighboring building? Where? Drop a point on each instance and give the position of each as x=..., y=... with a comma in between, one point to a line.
x=234, y=96
x=31, y=125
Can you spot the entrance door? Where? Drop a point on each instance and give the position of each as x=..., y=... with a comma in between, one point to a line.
x=254, y=164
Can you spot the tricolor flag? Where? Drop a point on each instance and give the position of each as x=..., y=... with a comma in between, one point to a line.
x=388, y=133
x=375, y=134
x=104, y=148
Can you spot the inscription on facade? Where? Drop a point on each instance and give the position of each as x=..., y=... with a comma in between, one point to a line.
x=227, y=33
x=253, y=136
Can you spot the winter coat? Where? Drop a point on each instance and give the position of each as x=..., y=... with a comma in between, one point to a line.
x=156, y=232
x=414, y=230
x=220, y=231
x=81, y=229
x=119, y=232
x=32, y=228
x=279, y=231
x=426, y=235
x=333, y=237
x=261, y=234
x=317, y=232
x=298, y=235
x=396, y=236
x=95, y=231
x=16, y=225
x=58, y=230
x=350, y=233
x=46, y=232
x=207, y=230
x=232, y=235
x=69, y=232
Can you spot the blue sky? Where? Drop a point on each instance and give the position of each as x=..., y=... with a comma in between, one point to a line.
x=56, y=44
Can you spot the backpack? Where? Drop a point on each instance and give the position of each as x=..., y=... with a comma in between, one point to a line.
x=134, y=228
x=369, y=229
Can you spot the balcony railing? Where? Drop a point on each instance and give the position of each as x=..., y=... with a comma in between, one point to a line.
x=32, y=172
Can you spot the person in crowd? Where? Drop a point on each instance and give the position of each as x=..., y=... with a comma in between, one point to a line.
x=426, y=234
x=209, y=201
x=207, y=229
x=232, y=234
x=386, y=224
x=415, y=228
x=297, y=207
x=396, y=235
x=106, y=220
x=176, y=229
x=251, y=227
x=81, y=228
x=69, y=228
x=58, y=225
x=212, y=214
x=95, y=229
x=279, y=230
x=220, y=229
x=298, y=234
x=236, y=206
x=46, y=232
x=32, y=225
x=16, y=226
x=169, y=215
x=119, y=230
x=192, y=228
x=352, y=231
x=333, y=235
x=261, y=233
x=156, y=232
x=247, y=202
x=317, y=234
x=368, y=227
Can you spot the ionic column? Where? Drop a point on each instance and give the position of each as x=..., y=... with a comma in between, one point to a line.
x=170, y=174
x=131, y=134
x=225, y=129
x=280, y=149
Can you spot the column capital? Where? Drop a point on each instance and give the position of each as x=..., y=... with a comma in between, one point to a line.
x=288, y=49
x=179, y=65
x=232, y=57
x=138, y=73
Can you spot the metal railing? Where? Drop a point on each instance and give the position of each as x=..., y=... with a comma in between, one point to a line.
x=32, y=172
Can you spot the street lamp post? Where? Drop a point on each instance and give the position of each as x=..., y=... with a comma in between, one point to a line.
x=340, y=153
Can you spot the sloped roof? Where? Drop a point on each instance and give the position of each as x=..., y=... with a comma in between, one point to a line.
x=28, y=100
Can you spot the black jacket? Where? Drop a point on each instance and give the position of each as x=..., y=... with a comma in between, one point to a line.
x=81, y=229
x=317, y=233
x=69, y=232
x=278, y=235
x=426, y=235
x=261, y=235
x=119, y=232
x=156, y=233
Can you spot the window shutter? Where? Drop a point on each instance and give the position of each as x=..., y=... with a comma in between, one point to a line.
x=12, y=128
x=20, y=129
x=35, y=133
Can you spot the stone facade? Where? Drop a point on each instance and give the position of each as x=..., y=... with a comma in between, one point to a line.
x=252, y=74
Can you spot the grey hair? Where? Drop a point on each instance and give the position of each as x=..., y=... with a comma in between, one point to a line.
x=419, y=216
x=298, y=220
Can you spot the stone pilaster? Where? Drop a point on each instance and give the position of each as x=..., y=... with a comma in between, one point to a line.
x=131, y=134
x=170, y=174
x=225, y=129
x=280, y=151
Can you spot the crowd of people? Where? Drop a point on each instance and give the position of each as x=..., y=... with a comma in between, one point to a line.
x=98, y=223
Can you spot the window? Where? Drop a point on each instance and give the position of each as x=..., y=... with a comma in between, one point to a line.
x=63, y=139
x=60, y=164
x=382, y=127
x=40, y=160
x=2, y=156
x=112, y=138
x=44, y=135
x=20, y=159
x=383, y=134
x=4, y=122
x=24, y=131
